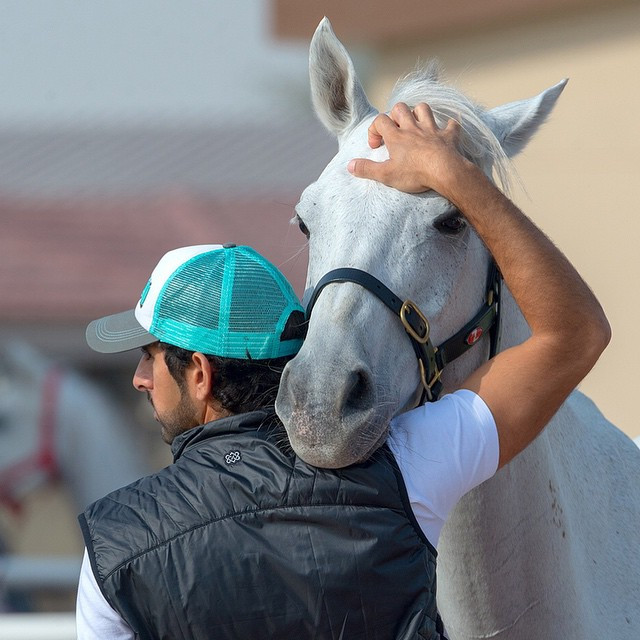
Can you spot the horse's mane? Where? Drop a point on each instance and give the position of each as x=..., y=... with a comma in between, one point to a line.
x=478, y=142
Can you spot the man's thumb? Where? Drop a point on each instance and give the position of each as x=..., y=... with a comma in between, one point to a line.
x=363, y=168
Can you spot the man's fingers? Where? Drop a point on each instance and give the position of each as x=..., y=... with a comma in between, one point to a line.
x=453, y=127
x=422, y=113
x=401, y=113
x=363, y=168
x=374, y=137
x=381, y=125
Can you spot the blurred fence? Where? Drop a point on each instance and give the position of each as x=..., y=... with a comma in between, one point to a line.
x=38, y=626
x=32, y=574
x=39, y=572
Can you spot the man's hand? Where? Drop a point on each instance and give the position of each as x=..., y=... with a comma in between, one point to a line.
x=422, y=156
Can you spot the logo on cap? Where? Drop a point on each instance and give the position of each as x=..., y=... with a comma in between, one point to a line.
x=145, y=292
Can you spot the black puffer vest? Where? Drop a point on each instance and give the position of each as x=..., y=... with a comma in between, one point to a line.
x=238, y=539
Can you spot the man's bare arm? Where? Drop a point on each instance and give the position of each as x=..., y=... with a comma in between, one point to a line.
x=524, y=385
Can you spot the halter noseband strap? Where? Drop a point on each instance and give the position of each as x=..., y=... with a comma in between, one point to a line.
x=431, y=360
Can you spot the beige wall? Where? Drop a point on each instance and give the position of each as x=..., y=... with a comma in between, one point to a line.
x=582, y=171
x=380, y=21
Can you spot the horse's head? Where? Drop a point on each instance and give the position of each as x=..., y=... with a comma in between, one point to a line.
x=357, y=368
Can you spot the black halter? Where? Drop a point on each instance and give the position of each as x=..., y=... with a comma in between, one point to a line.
x=431, y=360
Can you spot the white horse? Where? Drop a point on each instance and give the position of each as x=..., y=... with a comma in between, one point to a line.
x=56, y=424
x=549, y=547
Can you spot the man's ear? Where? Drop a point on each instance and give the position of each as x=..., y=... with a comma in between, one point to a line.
x=202, y=376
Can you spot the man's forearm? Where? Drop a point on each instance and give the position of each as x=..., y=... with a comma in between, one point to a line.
x=553, y=297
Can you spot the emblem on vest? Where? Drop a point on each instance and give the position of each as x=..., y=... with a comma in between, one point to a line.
x=232, y=457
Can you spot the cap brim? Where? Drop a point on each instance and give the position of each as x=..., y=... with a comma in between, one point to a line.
x=118, y=332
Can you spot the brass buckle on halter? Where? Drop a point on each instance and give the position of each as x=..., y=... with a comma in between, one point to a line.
x=408, y=307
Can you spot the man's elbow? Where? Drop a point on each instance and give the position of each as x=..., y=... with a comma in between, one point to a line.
x=582, y=341
x=597, y=334
x=603, y=329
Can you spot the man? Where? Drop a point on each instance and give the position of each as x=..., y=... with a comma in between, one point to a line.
x=239, y=537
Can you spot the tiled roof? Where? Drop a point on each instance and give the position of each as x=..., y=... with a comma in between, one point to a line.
x=70, y=259
x=262, y=158
x=84, y=216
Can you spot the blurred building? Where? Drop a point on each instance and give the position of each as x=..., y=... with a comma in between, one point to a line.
x=87, y=212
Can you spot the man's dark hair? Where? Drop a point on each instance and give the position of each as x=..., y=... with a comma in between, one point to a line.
x=240, y=385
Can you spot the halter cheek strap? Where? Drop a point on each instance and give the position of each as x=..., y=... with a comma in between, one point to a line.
x=486, y=320
x=415, y=323
x=431, y=360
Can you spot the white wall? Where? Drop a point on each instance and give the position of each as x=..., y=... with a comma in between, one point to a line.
x=66, y=60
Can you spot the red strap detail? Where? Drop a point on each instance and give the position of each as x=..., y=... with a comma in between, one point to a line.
x=50, y=395
x=474, y=336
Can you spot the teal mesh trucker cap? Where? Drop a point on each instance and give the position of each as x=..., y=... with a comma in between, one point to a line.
x=222, y=300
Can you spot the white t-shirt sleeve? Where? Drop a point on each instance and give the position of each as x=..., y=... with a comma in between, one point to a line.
x=444, y=449
x=95, y=618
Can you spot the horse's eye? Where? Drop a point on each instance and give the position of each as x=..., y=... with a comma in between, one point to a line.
x=451, y=224
x=303, y=226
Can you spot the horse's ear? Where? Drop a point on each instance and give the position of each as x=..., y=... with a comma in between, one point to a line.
x=338, y=97
x=515, y=123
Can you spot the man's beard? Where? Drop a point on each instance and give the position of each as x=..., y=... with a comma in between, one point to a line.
x=178, y=420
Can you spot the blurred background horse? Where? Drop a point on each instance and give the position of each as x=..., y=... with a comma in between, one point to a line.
x=57, y=425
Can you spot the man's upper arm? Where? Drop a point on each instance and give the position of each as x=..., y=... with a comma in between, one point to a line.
x=523, y=387
x=444, y=449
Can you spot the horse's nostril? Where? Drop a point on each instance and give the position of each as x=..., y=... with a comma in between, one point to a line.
x=358, y=392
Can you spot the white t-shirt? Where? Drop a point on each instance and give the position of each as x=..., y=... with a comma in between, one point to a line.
x=444, y=449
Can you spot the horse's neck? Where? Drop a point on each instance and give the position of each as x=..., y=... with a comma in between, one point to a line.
x=514, y=327
x=533, y=533
x=25, y=462
x=517, y=513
